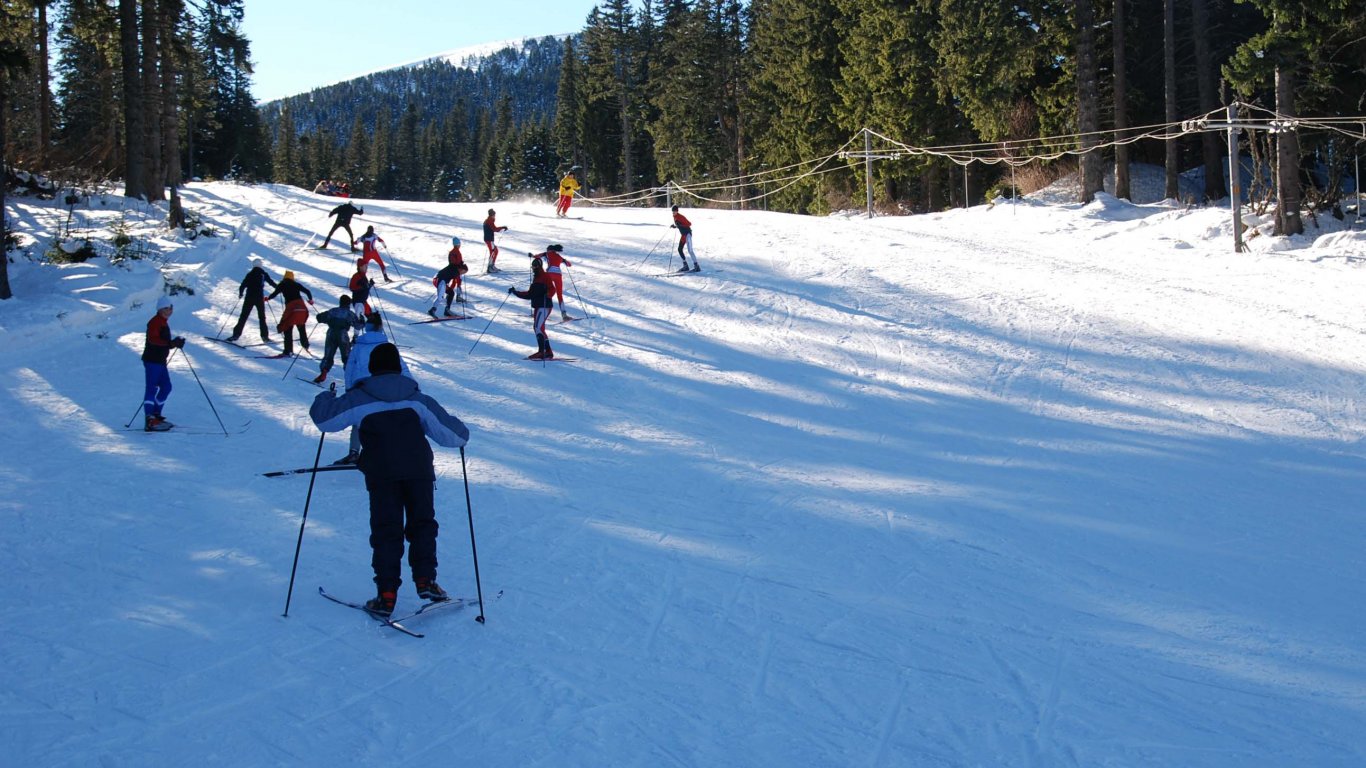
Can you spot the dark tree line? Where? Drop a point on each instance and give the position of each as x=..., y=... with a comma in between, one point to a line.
x=442, y=131
x=698, y=90
x=695, y=92
x=148, y=91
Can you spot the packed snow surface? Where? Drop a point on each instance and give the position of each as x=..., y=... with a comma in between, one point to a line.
x=1022, y=485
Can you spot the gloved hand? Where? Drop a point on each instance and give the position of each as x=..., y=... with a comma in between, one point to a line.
x=372, y=282
x=673, y=226
x=567, y=264
x=178, y=342
x=310, y=302
x=511, y=289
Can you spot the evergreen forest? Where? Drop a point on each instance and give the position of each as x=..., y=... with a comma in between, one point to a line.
x=766, y=103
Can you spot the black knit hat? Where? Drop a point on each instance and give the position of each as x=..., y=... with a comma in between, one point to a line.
x=384, y=359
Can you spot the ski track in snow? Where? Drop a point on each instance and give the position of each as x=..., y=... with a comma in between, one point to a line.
x=1016, y=486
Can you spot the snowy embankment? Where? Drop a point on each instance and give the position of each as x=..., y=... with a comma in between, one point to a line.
x=1028, y=485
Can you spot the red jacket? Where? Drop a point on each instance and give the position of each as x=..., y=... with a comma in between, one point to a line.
x=158, y=346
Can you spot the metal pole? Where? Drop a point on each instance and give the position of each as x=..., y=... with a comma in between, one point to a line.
x=966, y=204
x=474, y=551
x=868, y=168
x=298, y=546
x=1234, y=182
x=1357, y=179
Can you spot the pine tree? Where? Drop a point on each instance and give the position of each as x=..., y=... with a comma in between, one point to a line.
x=1001, y=61
x=612, y=88
x=356, y=166
x=134, y=118
x=795, y=61
x=1120, y=74
x=88, y=121
x=1088, y=101
x=1205, y=83
x=14, y=60
x=381, y=171
x=407, y=156
x=887, y=84
x=569, y=108
x=285, y=162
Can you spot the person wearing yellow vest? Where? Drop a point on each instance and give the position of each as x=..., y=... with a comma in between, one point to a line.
x=568, y=186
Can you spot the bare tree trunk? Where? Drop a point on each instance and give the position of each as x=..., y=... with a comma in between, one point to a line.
x=133, y=128
x=170, y=102
x=1121, y=97
x=1173, y=189
x=627, y=166
x=1088, y=102
x=5, y=292
x=154, y=173
x=44, y=90
x=1287, y=157
x=1205, y=80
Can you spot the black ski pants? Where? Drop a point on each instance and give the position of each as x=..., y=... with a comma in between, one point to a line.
x=390, y=502
x=257, y=303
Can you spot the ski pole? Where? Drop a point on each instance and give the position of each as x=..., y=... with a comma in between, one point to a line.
x=652, y=252
x=474, y=552
x=393, y=262
x=205, y=391
x=129, y=425
x=388, y=327
x=307, y=500
x=575, y=286
x=486, y=326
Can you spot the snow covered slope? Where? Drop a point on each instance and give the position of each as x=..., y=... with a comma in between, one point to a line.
x=1022, y=485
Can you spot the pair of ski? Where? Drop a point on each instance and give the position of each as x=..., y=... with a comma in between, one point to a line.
x=309, y=470
x=237, y=344
x=440, y=319
x=190, y=429
x=397, y=623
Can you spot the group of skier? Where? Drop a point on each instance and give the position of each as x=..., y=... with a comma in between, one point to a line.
x=389, y=418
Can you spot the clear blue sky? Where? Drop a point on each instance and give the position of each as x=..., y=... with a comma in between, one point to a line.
x=298, y=45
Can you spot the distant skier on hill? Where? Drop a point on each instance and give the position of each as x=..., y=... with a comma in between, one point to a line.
x=684, y=228
x=343, y=212
x=568, y=186
x=370, y=243
x=490, y=231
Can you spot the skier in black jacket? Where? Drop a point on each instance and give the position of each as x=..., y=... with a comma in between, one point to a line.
x=392, y=417
x=343, y=212
x=252, y=291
